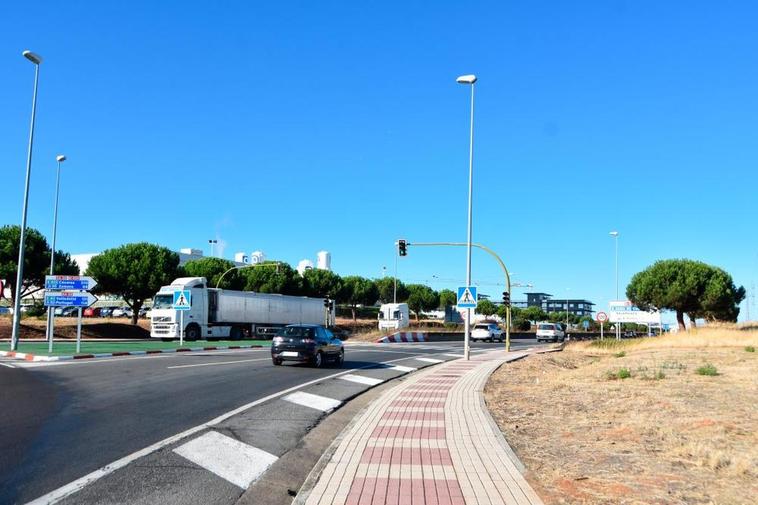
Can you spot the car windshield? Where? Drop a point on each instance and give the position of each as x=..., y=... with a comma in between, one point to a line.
x=295, y=331
x=547, y=327
x=481, y=327
x=163, y=302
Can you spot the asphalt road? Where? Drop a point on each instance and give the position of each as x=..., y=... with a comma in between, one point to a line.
x=61, y=421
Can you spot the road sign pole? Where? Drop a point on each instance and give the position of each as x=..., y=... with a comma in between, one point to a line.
x=181, y=328
x=601, y=330
x=51, y=329
x=78, y=331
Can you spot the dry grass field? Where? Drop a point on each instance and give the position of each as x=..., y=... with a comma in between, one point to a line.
x=669, y=420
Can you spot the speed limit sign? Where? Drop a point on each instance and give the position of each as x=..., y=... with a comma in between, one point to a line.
x=602, y=317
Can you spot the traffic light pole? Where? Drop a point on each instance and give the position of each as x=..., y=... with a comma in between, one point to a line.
x=502, y=265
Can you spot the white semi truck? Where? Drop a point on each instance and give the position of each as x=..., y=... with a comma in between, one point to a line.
x=222, y=313
x=394, y=316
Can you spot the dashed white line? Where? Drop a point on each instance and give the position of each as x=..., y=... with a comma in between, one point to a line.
x=317, y=402
x=219, y=363
x=401, y=368
x=429, y=360
x=230, y=459
x=8, y=365
x=454, y=355
x=360, y=379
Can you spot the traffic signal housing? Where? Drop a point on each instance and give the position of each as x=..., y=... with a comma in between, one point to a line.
x=506, y=298
x=402, y=247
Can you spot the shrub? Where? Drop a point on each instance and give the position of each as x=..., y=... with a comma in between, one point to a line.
x=750, y=348
x=707, y=369
x=621, y=373
x=620, y=354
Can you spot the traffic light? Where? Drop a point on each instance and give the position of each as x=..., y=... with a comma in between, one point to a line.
x=506, y=298
x=401, y=247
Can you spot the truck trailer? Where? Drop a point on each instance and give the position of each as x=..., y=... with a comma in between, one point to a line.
x=223, y=313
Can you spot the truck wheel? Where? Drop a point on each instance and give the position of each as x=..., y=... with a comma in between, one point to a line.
x=192, y=332
x=235, y=333
x=318, y=360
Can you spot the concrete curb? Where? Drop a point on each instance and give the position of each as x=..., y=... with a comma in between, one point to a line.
x=403, y=336
x=36, y=357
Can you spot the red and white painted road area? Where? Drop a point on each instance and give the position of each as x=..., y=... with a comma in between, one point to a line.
x=429, y=440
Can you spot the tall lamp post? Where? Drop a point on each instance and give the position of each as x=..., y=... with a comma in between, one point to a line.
x=50, y=312
x=615, y=236
x=470, y=80
x=36, y=59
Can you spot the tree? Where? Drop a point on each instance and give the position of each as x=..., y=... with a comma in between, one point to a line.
x=386, y=287
x=534, y=314
x=356, y=291
x=322, y=283
x=421, y=298
x=212, y=269
x=686, y=287
x=277, y=278
x=447, y=298
x=134, y=271
x=485, y=308
x=36, y=260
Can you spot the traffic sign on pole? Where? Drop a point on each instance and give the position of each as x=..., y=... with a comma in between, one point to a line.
x=182, y=299
x=69, y=299
x=69, y=283
x=466, y=297
x=601, y=317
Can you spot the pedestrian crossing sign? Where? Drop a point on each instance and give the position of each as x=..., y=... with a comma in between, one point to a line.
x=182, y=299
x=467, y=297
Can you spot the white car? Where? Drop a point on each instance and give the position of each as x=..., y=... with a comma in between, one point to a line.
x=487, y=332
x=550, y=331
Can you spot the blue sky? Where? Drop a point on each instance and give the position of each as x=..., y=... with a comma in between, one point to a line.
x=291, y=127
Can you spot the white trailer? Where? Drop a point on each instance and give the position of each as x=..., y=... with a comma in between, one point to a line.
x=394, y=316
x=221, y=313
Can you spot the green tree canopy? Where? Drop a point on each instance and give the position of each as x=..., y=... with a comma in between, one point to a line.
x=36, y=260
x=212, y=269
x=447, y=298
x=485, y=308
x=322, y=283
x=686, y=287
x=534, y=314
x=358, y=290
x=278, y=278
x=386, y=286
x=134, y=271
x=421, y=298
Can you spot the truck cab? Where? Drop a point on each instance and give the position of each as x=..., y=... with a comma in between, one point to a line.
x=165, y=320
x=393, y=316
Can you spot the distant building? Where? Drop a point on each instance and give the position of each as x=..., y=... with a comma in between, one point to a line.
x=547, y=303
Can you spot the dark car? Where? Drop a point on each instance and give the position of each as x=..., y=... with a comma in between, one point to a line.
x=306, y=343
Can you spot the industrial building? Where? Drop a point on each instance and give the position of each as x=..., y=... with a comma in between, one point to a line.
x=548, y=303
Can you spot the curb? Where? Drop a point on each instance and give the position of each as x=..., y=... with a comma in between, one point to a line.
x=403, y=336
x=35, y=357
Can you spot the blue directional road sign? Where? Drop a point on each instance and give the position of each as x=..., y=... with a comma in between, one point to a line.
x=466, y=297
x=182, y=299
x=69, y=299
x=69, y=283
x=586, y=324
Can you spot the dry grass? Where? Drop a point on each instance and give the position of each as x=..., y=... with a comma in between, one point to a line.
x=663, y=435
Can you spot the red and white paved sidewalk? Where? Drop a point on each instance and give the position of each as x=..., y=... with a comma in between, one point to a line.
x=428, y=440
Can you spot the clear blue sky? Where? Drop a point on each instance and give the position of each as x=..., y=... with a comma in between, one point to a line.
x=292, y=127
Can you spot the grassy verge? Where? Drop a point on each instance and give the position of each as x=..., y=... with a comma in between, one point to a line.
x=654, y=420
x=69, y=348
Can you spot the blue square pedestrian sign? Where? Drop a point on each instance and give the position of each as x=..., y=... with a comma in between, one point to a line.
x=466, y=297
x=182, y=299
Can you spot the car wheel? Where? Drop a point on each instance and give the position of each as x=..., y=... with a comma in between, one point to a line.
x=277, y=361
x=318, y=360
x=192, y=332
x=341, y=358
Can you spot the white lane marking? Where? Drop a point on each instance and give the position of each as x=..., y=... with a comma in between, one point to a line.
x=219, y=363
x=8, y=365
x=360, y=379
x=429, y=360
x=454, y=355
x=230, y=459
x=317, y=402
x=401, y=368
x=137, y=357
x=72, y=487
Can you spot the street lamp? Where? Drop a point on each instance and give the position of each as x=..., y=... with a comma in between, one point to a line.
x=469, y=79
x=50, y=312
x=22, y=241
x=615, y=236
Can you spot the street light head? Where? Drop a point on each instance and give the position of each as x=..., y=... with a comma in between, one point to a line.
x=614, y=234
x=466, y=79
x=34, y=58
x=60, y=158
